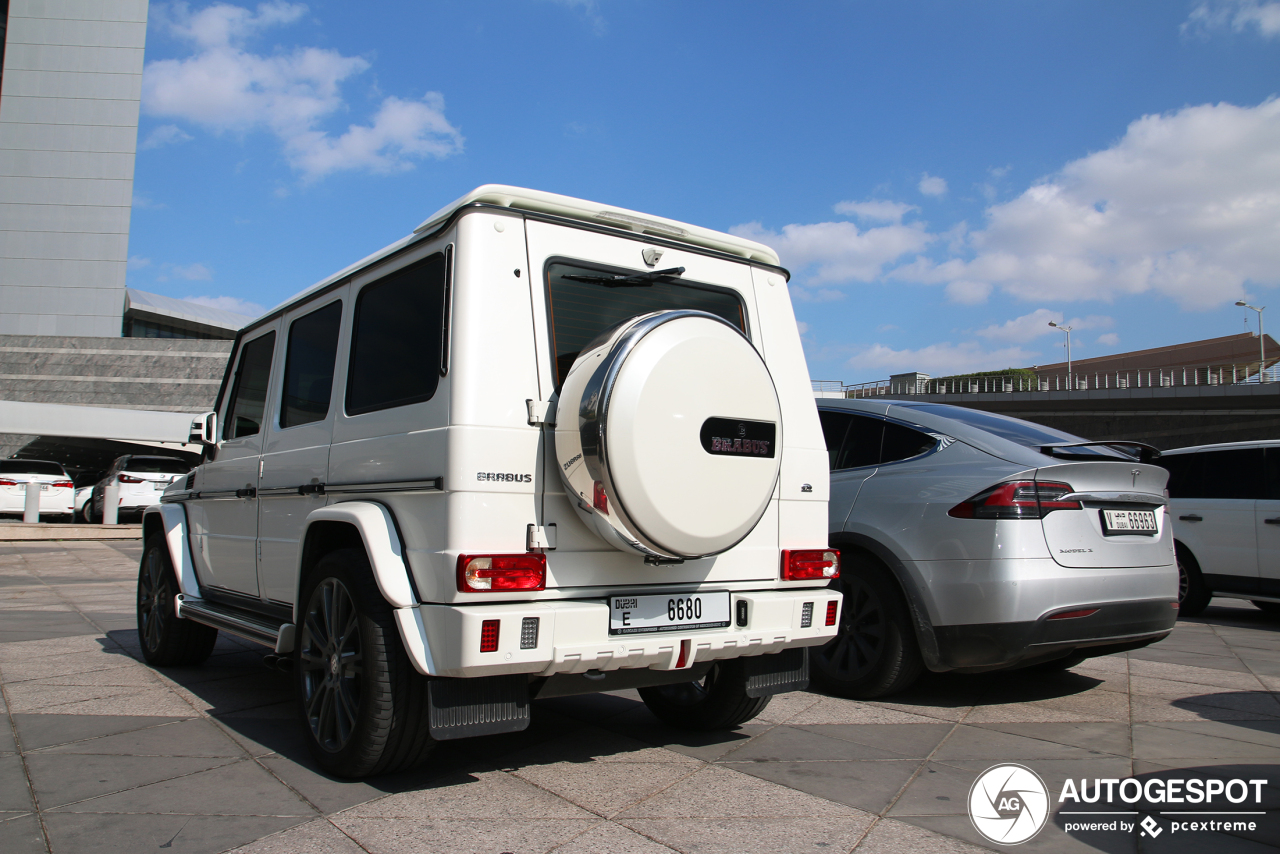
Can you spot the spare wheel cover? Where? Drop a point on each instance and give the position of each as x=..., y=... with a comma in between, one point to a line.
x=678, y=422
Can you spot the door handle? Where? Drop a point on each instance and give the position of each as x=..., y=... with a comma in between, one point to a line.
x=1192, y=517
x=1272, y=521
x=311, y=489
x=247, y=492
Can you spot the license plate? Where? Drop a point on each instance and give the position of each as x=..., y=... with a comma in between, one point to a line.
x=668, y=612
x=1129, y=521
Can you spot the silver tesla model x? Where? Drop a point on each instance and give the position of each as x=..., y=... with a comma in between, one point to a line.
x=971, y=541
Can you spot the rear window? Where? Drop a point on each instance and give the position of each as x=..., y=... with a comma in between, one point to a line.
x=156, y=465
x=31, y=467
x=1016, y=430
x=580, y=311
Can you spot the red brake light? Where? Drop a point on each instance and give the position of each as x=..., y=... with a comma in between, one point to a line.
x=7, y=482
x=499, y=573
x=831, y=613
x=599, y=500
x=810, y=564
x=63, y=484
x=1020, y=499
x=127, y=478
x=1072, y=615
x=489, y=635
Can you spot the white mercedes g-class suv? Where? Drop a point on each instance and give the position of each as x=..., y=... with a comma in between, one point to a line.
x=539, y=447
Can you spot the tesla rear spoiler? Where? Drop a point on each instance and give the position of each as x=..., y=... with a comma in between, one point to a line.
x=1142, y=452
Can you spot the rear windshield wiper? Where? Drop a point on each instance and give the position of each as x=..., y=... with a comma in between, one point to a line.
x=638, y=280
x=1141, y=450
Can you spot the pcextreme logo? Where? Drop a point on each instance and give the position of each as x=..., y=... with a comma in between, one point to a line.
x=1008, y=804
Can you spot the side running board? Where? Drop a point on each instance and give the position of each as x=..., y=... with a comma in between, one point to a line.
x=252, y=627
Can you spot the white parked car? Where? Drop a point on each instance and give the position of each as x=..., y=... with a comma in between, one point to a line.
x=539, y=447
x=1225, y=502
x=56, y=488
x=140, y=480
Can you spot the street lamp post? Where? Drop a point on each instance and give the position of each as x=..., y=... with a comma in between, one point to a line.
x=1262, y=341
x=1066, y=329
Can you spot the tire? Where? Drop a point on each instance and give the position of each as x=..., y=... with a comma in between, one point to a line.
x=362, y=705
x=167, y=641
x=1193, y=595
x=90, y=517
x=1272, y=608
x=875, y=651
x=716, y=701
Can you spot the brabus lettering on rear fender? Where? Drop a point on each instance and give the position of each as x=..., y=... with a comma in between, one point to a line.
x=504, y=476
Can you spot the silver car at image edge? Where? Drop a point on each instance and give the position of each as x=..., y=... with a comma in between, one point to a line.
x=972, y=541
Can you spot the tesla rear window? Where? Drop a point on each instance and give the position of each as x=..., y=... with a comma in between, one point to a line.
x=1015, y=430
x=581, y=310
x=157, y=465
x=30, y=467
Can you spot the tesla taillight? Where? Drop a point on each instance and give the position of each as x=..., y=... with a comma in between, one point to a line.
x=810, y=564
x=128, y=478
x=1020, y=499
x=499, y=573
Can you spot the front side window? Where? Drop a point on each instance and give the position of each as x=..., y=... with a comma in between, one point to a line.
x=249, y=394
x=1235, y=473
x=581, y=310
x=308, y=366
x=396, y=338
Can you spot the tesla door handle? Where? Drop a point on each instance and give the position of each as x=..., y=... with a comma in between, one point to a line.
x=1192, y=517
x=1272, y=521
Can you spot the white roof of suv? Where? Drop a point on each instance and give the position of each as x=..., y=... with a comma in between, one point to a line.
x=1225, y=446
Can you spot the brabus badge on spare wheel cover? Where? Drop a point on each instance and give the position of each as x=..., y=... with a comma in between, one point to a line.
x=739, y=437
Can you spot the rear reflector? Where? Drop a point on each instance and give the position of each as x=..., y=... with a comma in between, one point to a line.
x=599, y=500
x=1021, y=499
x=831, y=613
x=499, y=573
x=489, y=635
x=1071, y=615
x=685, y=658
x=810, y=564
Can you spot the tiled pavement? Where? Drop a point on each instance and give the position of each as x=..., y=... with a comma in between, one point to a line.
x=100, y=753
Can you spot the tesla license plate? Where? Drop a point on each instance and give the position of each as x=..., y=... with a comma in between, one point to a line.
x=1129, y=521
x=630, y=615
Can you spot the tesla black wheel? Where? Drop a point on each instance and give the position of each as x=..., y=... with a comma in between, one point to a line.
x=363, y=706
x=874, y=652
x=166, y=640
x=1193, y=595
x=716, y=701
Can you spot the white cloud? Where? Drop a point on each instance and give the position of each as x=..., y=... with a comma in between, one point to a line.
x=137, y=262
x=1239, y=15
x=802, y=327
x=1109, y=339
x=196, y=272
x=1029, y=327
x=932, y=185
x=165, y=135
x=966, y=292
x=590, y=10
x=839, y=251
x=940, y=359
x=145, y=202
x=1185, y=205
x=875, y=210
x=232, y=304
x=224, y=87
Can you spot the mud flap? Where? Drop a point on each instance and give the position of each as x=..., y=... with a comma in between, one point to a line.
x=777, y=673
x=487, y=705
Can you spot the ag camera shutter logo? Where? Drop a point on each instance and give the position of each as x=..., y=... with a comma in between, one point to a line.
x=1008, y=804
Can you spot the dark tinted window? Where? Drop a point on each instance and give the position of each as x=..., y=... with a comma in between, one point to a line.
x=582, y=310
x=862, y=445
x=1236, y=473
x=31, y=467
x=1272, y=485
x=156, y=465
x=834, y=427
x=902, y=443
x=1015, y=429
x=396, y=338
x=249, y=394
x=308, y=366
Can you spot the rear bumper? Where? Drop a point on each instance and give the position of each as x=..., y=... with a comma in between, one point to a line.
x=51, y=501
x=573, y=635
x=1115, y=627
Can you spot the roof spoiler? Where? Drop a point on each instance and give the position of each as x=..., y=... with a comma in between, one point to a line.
x=1142, y=451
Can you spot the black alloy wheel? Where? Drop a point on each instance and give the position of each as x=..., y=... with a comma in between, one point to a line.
x=863, y=634
x=166, y=640
x=717, y=701
x=155, y=600
x=332, y=662
x=1193, y=594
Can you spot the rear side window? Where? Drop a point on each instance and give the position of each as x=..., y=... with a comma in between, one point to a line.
x=903, y=443
x=853, y=441
x=834, y=427
x=308, y=366
x=1236, y=473
x=396, y=338
x=249, y=394
x=581, y=310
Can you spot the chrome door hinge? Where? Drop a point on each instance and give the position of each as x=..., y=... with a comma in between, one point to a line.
x=541, y=537
x=541, y=411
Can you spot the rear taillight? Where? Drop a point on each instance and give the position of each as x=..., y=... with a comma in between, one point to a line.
x=831, y=613
x=489, y=635
x=599, y=499
x=6, y=482
x=810, y=564
x=499, y=573
x=62, y=484
x=1021, y=499
x=128, y=478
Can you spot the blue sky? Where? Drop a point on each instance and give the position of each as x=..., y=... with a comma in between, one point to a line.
x=942, y=178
